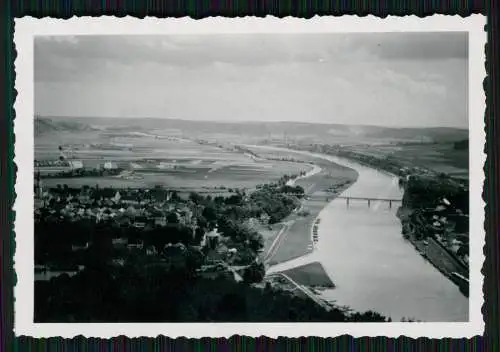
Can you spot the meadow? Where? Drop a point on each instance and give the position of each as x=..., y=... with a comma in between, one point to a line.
x=311, y=275
x=152, y=159
x=438, y=157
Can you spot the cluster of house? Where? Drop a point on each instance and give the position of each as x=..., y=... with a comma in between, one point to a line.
x=125, y=208
x=73, y=164
x=134, y=208
x=47, y=163
x=416, y=171
x=442, y=221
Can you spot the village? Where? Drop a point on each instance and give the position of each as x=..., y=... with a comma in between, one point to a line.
x=153, y=223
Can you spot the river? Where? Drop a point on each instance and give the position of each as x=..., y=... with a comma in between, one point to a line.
x=362, y=250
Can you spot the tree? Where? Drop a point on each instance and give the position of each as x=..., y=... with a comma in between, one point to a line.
x=198, y=234
x=254, y=273
x=463, y=250
x=368, y=316
x=210, y=213
x=195, y=197
x=172, y=218
x=174, y=196
x=232, y=307
x=219, y=200
x=234, y=199
x=194, y=259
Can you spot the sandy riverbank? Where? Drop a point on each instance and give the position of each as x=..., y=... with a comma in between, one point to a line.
x=296, y=239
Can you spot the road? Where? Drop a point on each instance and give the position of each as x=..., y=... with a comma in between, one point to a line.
x=287, y=224
x=277, y=242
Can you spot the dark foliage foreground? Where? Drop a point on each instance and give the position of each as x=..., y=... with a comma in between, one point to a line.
x=157, y=295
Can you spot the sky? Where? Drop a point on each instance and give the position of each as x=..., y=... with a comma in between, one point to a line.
x=388, y=79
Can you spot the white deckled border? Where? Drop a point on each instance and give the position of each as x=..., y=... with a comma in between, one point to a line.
x=26, y=28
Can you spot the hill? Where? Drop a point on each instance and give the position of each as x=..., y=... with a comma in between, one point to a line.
x=45, y=125
x=314, y=132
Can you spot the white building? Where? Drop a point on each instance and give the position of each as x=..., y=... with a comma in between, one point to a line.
x=117, y=197
x=446, y=201
x=75, y=164
x=211, y=238
x=164, y=165
x=109, y=165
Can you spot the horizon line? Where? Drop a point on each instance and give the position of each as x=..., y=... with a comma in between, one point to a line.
x=244, y=121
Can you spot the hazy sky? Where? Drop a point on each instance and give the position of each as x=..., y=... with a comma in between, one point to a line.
x=392, y=79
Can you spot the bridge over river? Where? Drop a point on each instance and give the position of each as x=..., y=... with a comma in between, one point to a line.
x=369, y=200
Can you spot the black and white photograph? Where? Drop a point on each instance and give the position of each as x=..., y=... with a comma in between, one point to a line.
x=253, y=177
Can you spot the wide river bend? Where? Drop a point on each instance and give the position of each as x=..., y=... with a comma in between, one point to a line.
x=373, y=267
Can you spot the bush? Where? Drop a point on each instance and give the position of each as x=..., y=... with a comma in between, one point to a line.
x=254, y=273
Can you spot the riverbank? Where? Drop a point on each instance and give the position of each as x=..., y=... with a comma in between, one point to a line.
x=443, y=261
x=437, y=254
x=295, y=236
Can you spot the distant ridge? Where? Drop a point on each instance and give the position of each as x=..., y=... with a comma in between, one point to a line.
x=320, y=131
x=165, y=120
x=45, y=125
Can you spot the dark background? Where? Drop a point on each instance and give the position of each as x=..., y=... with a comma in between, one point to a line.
x=205, y=8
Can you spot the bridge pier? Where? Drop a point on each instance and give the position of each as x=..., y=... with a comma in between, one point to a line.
x=368, y=203
x=390, y=204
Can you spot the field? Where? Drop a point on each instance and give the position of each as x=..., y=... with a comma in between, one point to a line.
x=439, y=157
x=156, y=159
x=312, y=275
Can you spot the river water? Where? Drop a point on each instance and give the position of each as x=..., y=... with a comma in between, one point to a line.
x=362, y=250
